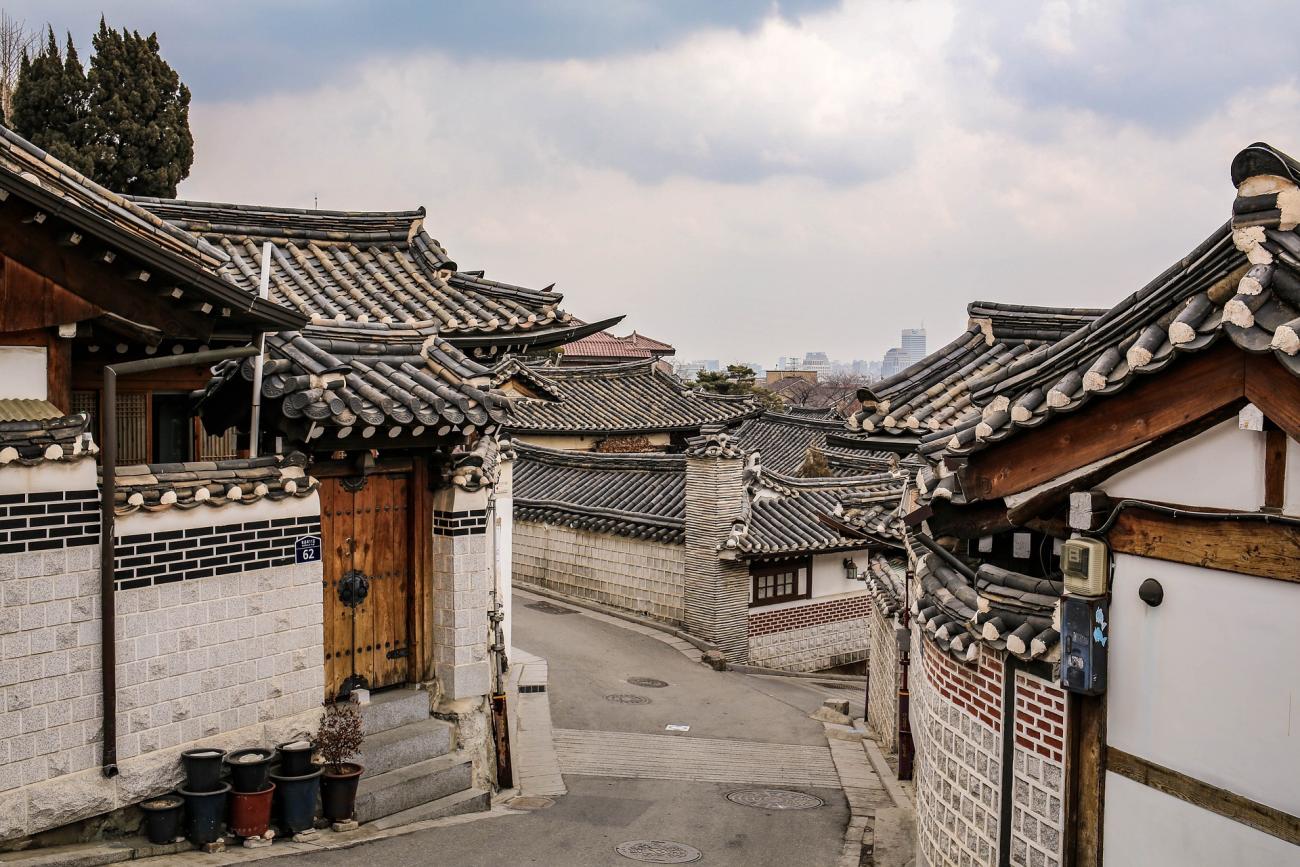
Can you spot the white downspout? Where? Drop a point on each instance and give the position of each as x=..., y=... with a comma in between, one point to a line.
x=263, y=292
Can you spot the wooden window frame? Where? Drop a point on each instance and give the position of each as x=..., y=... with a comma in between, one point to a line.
x=759, y=571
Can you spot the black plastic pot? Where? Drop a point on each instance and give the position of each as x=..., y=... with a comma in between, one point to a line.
x=204, y=814
x=162, y=818
x=338, y=791
x=295, y=801
x=249, y=769
x=295, y=758
x=202, y=769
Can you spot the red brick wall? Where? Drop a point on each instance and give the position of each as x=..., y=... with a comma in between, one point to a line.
x=976, y=689
x=813, y=614
x=1040, y=717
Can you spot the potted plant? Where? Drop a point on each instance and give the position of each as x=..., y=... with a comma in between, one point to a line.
x=162, y=818
x=249, y=769
x=338, y=739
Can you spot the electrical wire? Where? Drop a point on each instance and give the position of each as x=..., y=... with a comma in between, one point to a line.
x=1170, y=511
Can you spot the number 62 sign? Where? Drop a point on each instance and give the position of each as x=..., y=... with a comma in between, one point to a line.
x=307, y=549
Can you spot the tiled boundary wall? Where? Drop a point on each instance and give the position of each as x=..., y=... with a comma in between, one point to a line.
x=957, y=718
x=882, y=681
x=632, y=574
x=218, y=642
x=811, y=635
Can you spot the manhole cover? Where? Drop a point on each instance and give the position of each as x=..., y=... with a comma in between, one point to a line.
x=774, y=799
x=659, y=852
x=529, y=802
x=627, y=698
x=650, y=682
x=548, y=608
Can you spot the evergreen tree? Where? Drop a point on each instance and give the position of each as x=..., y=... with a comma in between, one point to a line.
x=49, y=103
x=139, y=123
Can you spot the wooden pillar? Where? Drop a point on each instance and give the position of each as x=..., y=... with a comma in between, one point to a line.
x=1086, y=775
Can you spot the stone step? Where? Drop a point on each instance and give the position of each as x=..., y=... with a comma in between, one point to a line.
x=405, y=745
x=394, y=708
x=472, y=800
x=411, y=786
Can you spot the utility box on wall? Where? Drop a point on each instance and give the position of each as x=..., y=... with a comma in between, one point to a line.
x=1085, y=634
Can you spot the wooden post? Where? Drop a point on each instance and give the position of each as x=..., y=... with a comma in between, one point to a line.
x=1274, y=466
x=1085, y=780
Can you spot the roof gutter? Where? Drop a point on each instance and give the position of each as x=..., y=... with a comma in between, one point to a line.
x=107, y=521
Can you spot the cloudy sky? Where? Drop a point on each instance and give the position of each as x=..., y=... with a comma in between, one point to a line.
x=746, y=179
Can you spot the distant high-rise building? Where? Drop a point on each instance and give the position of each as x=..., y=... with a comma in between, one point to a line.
x=895, y=360
x=913, y=344
x=818, y=363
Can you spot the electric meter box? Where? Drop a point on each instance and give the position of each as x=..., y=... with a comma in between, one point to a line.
x=1085, y=637
x=1086, y=564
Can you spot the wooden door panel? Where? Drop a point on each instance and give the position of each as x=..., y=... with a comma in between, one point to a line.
x=367, y=530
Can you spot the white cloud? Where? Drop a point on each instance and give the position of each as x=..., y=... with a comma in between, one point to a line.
x=811, y=185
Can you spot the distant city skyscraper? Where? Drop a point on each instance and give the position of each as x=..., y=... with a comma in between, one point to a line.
x=913, y=344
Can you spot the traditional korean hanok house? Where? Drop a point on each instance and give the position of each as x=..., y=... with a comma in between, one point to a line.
x=604, y=348
x=383, y=390
x=1153, y=450
x=765, y=566
x=794, y=441
x=200, y=629
x=634, y=406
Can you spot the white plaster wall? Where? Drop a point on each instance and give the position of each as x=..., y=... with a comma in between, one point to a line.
x=1147, y=827
x=1207, y=683
x=209, y=516
x=828, y=578
x=79, y=475
x=501, y=537
x=1222, y=468
x=1291, y=490
x=24, y=372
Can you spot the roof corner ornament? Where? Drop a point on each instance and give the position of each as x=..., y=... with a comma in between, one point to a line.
x=714, y=444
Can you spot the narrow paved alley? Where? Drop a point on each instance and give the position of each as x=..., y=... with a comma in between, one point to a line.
x=630, y=779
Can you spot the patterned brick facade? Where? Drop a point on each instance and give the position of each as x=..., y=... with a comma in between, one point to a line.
x=167, y=556
x=882, y=684
x=1038, y=773
x=810, y=613
x=48, y=520
x=956, y=721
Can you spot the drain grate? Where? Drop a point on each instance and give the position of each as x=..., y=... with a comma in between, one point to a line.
x=549, y=608
x=658, y=852
x=627, y=698
x=652, y=683
x=529, y=802
x=774, y=799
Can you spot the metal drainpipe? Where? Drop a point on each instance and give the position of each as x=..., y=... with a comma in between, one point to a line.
x=108, y=493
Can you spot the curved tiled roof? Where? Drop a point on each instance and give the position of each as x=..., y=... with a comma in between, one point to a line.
x=34, y=431
x=936, y=393
x=158, y=487
x=370, y=379
x=630, y=398
x=1242, y=283
x=1003, y=609
x=337, y=266
x=638, y=495
x=785, y=515
x=606, y=345
x=782, y=441
x=70, y=196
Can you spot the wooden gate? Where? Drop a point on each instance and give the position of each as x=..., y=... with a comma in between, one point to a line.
x=367, y=530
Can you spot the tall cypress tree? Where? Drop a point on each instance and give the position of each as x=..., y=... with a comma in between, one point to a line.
x=49, y=104
x=139, y=123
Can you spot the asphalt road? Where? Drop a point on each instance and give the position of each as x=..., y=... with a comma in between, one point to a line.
x=589, y=660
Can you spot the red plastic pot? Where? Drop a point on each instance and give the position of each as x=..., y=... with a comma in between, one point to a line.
x=250, y=812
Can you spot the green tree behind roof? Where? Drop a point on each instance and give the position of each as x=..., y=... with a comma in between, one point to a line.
x=139, y=116
x=49, y=103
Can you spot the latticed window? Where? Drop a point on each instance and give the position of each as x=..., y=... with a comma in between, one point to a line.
x=780, y=582
x=155, y=427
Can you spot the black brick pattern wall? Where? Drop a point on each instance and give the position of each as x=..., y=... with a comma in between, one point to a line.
x=150, y=559
x=48, y=521
x=471, y=522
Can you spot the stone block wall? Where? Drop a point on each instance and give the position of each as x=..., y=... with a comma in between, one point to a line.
x=461, y=583
x=715, y=595
x=633, y=574
x=222, y=653
x=882, y=682
x=956, y=721
x=1038, y=773
x=812, y=635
